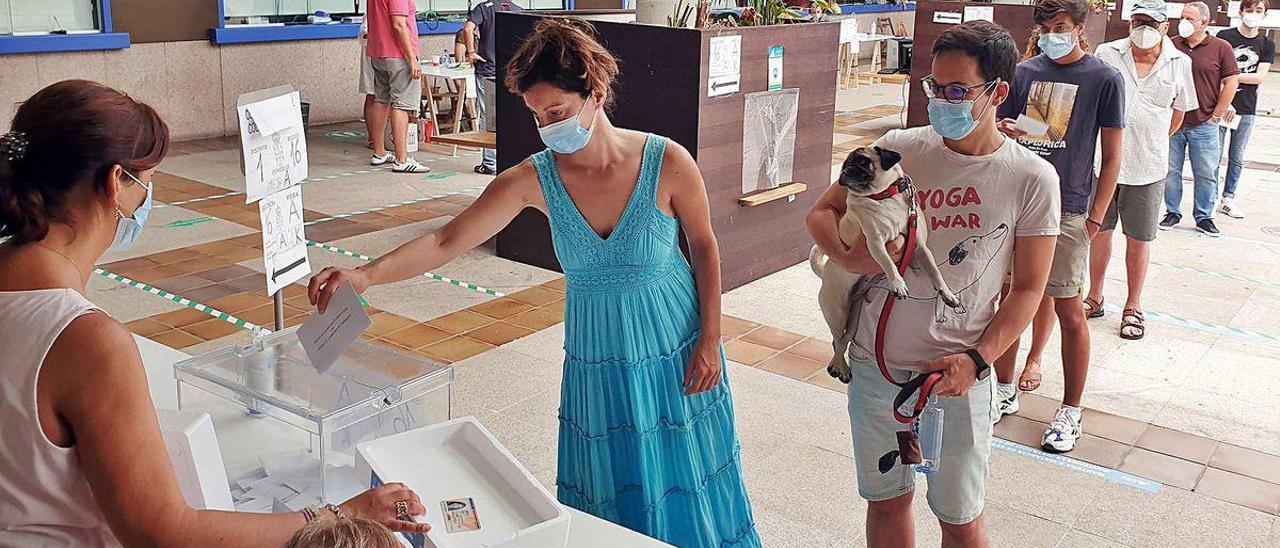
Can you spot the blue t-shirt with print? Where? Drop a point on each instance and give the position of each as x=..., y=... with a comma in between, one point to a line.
x=1072, y=102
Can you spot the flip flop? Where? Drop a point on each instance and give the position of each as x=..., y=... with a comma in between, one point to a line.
x=1133, y=319
x=1031, y=377
x=1092, y=308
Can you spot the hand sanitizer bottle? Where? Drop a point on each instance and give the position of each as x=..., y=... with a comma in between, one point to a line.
x=928, y=428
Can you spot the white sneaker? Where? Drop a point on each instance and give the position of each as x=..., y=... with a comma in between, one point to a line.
x=1230, y=208
x=376, y=160
x=410, y=166
x=1008, y=398
x=1066, y=428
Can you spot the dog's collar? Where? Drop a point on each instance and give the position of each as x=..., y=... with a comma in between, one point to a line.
x=896, y=188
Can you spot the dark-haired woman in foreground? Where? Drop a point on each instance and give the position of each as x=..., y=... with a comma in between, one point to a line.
x=82, y=462
x=646, y=419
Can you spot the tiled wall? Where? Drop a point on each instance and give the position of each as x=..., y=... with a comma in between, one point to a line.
x=194, y=85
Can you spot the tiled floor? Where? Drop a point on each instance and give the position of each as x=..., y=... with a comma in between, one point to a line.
x=1193, y=407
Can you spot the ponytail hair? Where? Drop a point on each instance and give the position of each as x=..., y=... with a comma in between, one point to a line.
x=71, y=134
x=566, y=53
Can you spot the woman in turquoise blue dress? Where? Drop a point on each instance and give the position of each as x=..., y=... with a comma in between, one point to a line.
x=646, y=418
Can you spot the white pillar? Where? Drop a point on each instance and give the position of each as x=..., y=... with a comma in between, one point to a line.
x=655, y=12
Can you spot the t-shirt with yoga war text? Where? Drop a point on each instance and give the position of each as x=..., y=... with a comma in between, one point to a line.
x=973, y=207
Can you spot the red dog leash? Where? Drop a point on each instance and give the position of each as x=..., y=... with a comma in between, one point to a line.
x=920, y=383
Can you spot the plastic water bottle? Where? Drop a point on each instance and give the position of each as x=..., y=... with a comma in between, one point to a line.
x=928, y=428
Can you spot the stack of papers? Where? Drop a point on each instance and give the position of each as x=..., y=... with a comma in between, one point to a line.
x=291, y=481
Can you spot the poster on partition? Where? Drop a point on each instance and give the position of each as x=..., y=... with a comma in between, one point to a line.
x=272, y=140
x=768, y=139
x=284, y=245
x=724, y=71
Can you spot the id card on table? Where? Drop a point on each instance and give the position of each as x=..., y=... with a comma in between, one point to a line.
x=460, y=515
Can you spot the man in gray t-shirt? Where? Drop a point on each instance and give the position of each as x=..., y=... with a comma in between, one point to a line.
x=1061, y=102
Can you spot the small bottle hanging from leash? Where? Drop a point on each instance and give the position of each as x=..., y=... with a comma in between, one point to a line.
x=928, y=430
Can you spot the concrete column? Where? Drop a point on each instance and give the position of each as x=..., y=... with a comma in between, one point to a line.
x=655, y=12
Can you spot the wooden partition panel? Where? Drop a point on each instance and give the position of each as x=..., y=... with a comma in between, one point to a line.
x=149, y=21
x=1018, y=19
x=663, y=90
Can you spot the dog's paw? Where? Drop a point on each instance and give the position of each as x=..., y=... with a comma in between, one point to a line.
x=950, y=299
x=899, y=287
x=840, y=371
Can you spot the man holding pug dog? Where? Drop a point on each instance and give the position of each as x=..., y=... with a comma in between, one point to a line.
x=1159, y=92
x=989, y=206
x=1065, y=101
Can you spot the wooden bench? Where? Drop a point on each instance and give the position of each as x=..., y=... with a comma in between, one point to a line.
x=474, y=139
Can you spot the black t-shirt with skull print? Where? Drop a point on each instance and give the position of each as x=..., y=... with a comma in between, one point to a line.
x=1249, y=53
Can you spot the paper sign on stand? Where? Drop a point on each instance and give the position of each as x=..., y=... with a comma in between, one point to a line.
x=979, y=13
x=273, y=142
x=724, y=74
x=848, y=30
x=284, y=245
x=326, y=336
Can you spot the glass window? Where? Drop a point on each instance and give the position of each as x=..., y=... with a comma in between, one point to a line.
x=44, y=16
x=283, y=11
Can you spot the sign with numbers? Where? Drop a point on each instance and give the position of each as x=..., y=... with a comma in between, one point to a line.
x=284, y=246
x=273, y=143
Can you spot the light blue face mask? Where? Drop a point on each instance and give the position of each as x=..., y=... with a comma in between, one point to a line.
x=1057, y=44
x=567, y=136
x=955, y=121
x=128, y=228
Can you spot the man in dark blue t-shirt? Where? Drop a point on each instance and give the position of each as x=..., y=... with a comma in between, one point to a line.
x=483, y=59
x=1060, y=103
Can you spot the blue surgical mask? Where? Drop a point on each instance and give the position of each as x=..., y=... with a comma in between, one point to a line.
x=567, y=136
x=955, y=121
x=1057, y=44
x=129, y=227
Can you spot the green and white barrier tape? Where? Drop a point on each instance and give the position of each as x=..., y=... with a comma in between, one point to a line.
x=182, y=301
x=432, y=275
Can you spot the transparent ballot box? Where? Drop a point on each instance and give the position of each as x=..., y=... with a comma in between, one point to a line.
x=288, y=432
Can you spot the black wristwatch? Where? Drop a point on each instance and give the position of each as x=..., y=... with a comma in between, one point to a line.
x=984, y=368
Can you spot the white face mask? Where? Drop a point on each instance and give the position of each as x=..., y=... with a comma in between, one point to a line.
x=1186, y=28
x=1145, y=37
x=1252, y=20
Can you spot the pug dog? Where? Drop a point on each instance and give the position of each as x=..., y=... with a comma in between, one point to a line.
x=879, y=201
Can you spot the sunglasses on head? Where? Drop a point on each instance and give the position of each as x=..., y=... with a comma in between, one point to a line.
x=952, y=93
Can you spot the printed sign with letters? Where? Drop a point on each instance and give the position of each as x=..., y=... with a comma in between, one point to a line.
x=273, y=142
x=284, y=245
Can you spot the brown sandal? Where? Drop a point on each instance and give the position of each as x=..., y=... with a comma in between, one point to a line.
x=1133, y=318
x=1092, y=308
x=1031, y=377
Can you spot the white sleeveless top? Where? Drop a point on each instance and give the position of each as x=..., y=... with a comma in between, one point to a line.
x=44, y=498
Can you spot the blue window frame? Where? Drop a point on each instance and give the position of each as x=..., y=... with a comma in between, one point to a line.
x=29, y=28
x=247, y=21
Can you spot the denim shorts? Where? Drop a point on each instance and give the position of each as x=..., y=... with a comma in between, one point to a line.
x=957, y=491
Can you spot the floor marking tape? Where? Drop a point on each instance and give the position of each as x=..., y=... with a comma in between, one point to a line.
x=384, y=207
x=431, y=275
x=1208, y=272
x=342, y=175
x=1113, y=476
x=1197, y=324
x=238, y=322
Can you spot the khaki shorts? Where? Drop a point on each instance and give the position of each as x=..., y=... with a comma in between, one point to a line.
x=1137, y=210
x=393, y=83
x=1070, y=259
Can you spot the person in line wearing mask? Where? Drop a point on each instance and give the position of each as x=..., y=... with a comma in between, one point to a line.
x=1062, y=103
x=647, y=434
x=1217, y=76
x=1158, y=93
x=1254, y=53
x=84, y=463
x=1011, y=212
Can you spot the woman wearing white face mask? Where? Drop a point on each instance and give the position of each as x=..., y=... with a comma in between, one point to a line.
x=646, y=419
x=84, y=463
x=1254, y=53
